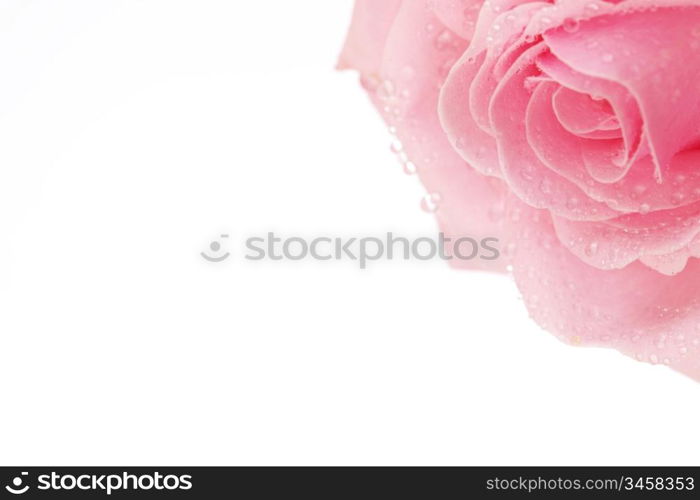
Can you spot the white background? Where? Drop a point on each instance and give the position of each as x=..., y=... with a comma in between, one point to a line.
x=132, y=133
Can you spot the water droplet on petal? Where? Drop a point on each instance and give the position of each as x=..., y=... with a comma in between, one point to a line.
x=677, y=198
x=571, y=25
x=546, y=186
x=640, y=189
x=409, y=168
x=370, y=82
x=443, y=40
x=509, y=250
x=431, y=202
x=527, y=174
x=386, y=90
x=496, y=213
x=592, y=249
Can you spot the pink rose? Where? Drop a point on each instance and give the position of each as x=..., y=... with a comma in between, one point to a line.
x=571, y=131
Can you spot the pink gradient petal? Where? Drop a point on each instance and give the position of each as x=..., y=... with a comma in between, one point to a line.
x=474, y=145
x=601, y=165
x=636, y=192
x=636, y=310
x=494, y=9
x=419, y=51
x=616, y=243
x=499, y=57
x=366, y=39
x=459, y=16
x=526, y=175
x=673, y=263
x=582, y=115
x=639, y=50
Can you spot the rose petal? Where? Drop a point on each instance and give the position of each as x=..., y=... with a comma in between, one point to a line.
x=636, y=310
x=366, y=39
x=604, y=167
x=419, y=51
x=639, y=49
x=636, y=192
x=582, y=115
x=526, y=175
x=458, y=15
x=615, y=243
x=474, y=145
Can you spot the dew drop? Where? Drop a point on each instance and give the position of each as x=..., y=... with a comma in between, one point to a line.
x=644, y=208
x=640, y=189
x=396, y=146
x=370, y=82
x=571, y=25
x=527, y=175
x=431, y=202
x=608, y=58
x=386, y=90
x=409, y=168
x=677, y=198
x=592, y=249
x=495, y=213
x=443, y=40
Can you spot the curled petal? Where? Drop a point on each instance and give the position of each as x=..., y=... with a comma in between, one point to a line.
x=526, y=175
x=639, y=50
x=615, y=243
x=636, y=310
